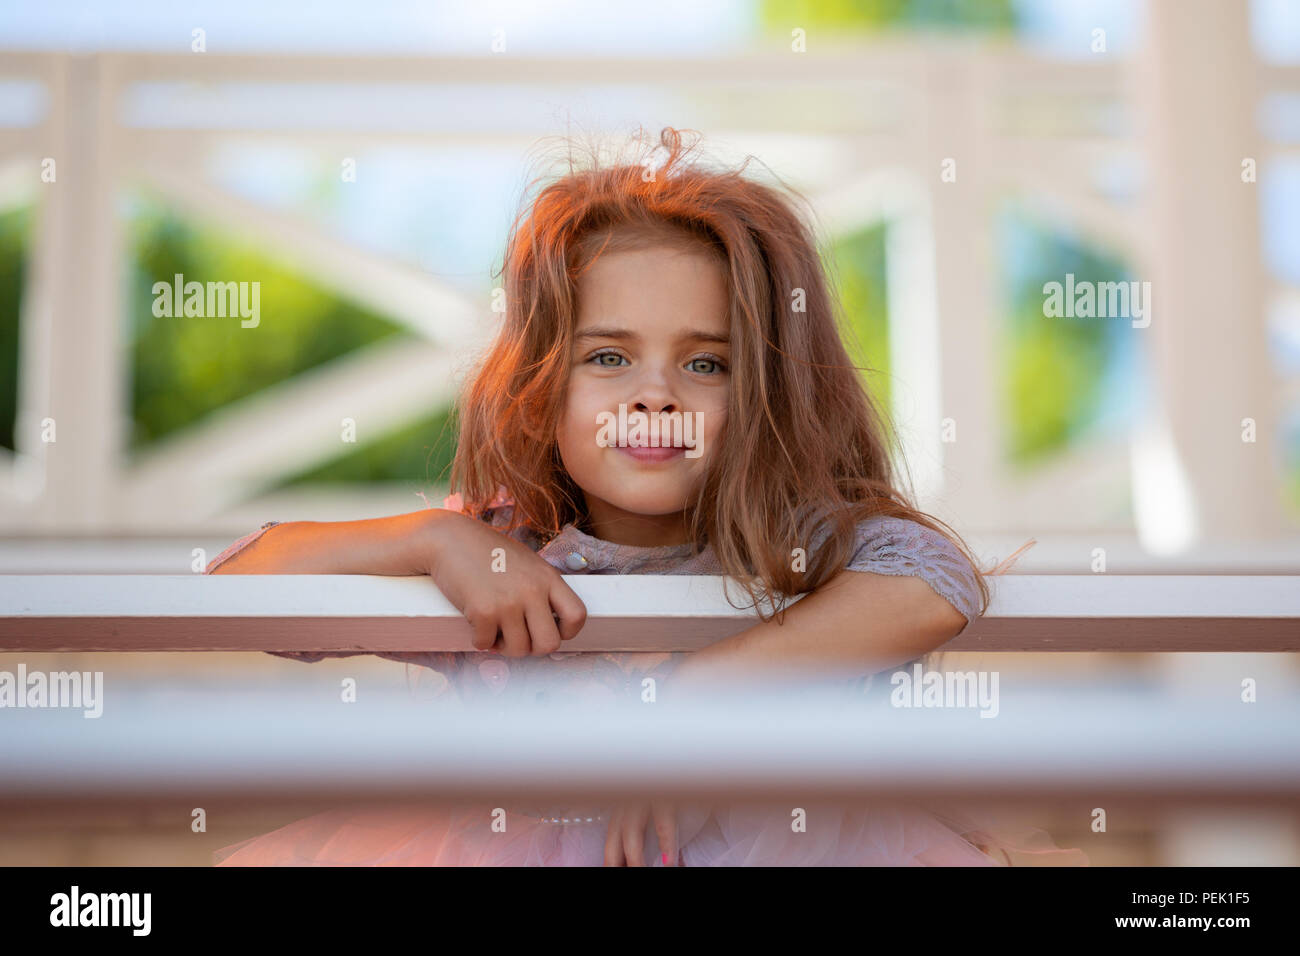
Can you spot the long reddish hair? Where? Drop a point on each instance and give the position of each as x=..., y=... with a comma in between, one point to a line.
x=806, y=452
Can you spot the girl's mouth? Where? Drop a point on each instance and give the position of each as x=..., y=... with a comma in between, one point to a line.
x=653, y=455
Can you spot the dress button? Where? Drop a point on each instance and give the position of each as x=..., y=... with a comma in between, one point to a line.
x=495, y=674
x=575, y=561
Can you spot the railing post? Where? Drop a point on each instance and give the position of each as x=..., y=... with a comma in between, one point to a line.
x=80, y=353
x=956, y=128
x=1196, y=100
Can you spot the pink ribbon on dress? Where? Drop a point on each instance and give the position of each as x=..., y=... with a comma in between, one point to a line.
x=456, y=503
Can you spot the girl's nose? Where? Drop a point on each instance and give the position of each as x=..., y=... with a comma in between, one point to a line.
x=653, y=394
x=655, y=405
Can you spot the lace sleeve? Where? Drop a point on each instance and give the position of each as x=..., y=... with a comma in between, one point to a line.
x=238, y=546
x=898, y=546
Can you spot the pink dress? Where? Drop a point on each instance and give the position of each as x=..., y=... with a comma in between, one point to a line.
x=568, y=835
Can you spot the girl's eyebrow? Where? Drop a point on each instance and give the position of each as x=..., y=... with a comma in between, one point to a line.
x=697, y=335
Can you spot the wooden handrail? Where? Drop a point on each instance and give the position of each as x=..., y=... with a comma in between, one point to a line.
x=1145, y=613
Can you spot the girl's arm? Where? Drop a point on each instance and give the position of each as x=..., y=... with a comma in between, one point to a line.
x=396, y=546
x=853, y=625
x=526, y=608
x=400, y=546
x=906, y=590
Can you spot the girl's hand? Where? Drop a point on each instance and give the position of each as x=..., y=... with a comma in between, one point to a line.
x=625, y=838
x=525, y=609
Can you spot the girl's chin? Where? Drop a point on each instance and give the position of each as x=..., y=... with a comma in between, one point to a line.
x=648, y=502
x=650, y=509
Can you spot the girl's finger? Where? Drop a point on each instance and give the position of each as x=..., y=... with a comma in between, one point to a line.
x=514, y=634
x=485, y=630
x=543, y=635
x=665, y=815
x=634, y=824
x=614, y=839
x=570, y=610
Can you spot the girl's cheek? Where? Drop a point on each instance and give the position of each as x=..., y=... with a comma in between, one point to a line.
x=711, y=428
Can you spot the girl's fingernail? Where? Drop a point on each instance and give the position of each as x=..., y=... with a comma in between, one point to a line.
x=665, y=858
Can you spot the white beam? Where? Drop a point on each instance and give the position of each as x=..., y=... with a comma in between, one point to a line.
x=398, y=290
x=625, y=613
x=286, y=429
x=1110, y=747
x=73, y=351
x=1195, y=90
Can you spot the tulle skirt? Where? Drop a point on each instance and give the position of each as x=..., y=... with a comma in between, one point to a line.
x=741, y=835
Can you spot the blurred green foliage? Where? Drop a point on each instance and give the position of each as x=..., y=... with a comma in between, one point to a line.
x=1290, y=454
x=1053, y=369
x=857, y=264
x=15, y=230
x=420, y=452
x=993, y=16
x=185, y=368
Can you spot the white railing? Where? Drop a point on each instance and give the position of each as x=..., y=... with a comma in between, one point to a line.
x=625, y=613
x=296, y=739
x=156, y=743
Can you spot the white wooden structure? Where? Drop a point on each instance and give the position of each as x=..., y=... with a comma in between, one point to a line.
x=862, y=130
x=1233, y=768
x=891, y=111
x=625, y=612
x=276, y=744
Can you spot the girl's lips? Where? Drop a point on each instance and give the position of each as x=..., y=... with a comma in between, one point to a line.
x=651, y=454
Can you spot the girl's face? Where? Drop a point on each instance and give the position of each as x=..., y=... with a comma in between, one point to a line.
x=652, y=335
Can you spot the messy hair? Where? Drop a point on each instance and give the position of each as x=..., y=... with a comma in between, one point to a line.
x=806, y=452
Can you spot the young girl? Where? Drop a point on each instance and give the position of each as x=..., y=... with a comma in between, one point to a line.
x=697, y=295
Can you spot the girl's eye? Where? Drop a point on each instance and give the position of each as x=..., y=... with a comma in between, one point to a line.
x=599, y=359
x=703, y=364
x=708, y=360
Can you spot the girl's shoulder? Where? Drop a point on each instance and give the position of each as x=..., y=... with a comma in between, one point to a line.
x=499, y=515
x=901, y=546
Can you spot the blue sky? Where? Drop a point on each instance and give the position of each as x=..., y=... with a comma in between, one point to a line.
x=680, y=27
x=677, y=27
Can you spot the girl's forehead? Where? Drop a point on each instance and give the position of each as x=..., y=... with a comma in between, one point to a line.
x=641, y=325
x=656, y=292
x=654, y=283
x=652, y=328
